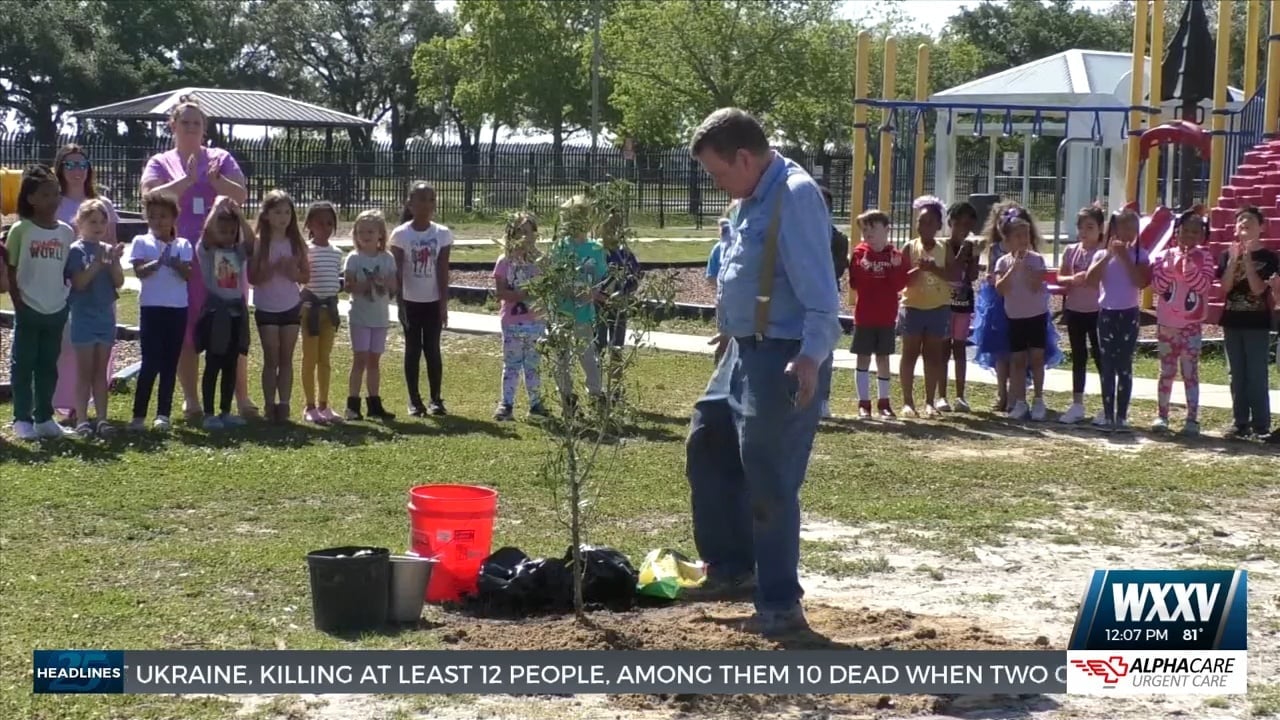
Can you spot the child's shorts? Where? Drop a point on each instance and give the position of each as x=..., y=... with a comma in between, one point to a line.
x=368, y=339
x=872, y=340
x=934, y=323
x=1028, y=333
x=96, y=331
x=292, y=316
x=960, y=325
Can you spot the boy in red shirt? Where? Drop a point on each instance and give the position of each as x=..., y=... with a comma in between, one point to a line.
x=877, y=273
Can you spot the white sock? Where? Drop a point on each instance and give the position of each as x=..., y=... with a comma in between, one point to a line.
x=864, y=385
x=884, y=387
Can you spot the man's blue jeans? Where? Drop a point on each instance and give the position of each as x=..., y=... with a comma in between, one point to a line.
x=746, y=457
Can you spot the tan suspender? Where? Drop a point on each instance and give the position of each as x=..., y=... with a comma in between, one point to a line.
x=767, y=265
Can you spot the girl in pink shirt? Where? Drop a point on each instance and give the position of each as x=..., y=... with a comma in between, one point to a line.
x=277, y=271
x=1180, y=277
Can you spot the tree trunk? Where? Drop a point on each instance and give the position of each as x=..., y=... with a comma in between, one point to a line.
x=557, y=148
x=575, y=527
x=493, y=149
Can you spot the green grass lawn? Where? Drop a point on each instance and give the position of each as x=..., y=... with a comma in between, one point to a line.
x=198, y=541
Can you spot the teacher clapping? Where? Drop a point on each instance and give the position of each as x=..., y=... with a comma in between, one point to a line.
x=194, y=175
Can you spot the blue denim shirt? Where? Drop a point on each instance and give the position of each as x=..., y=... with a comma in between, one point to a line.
x=806, y=302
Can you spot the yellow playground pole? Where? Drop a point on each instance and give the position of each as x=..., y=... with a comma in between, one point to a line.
x=884, y=195
x=1217, y=162
x=858, y=193
x=922, y=94
x=1137, y=77
x=1252, y=27
x=1271, y=117
x=1151, y=179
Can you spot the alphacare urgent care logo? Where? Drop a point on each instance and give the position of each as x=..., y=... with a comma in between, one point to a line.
x=1168, y=632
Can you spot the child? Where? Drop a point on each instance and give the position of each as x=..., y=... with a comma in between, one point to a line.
x=991, y=330
x=1020, y=281
x=370, y=273
x=38, y=247
x=93, y=268
x=1181, y=276
x=320, y=318
x=877, y=273
x=840, y=259
x=521, y=326
x=162, y=262
x=962, y=218
x=586, y=259
x=222, y=331
x=421, y=249
x=1121, y=269
x=277, y=268
x=622, y=277
x=926, y=300
x=1245, y=271
x=1080, y=307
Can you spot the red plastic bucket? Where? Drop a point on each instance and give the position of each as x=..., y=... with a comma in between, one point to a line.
x=454, y=524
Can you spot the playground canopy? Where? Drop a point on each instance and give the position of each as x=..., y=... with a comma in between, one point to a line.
x=1077, y=94
x=228, y=107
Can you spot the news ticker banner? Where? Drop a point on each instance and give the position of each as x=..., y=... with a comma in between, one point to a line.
x=1169, y=632
x=1138, y=632
x=519, y=672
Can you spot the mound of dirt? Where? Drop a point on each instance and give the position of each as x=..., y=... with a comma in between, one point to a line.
x=719, y=627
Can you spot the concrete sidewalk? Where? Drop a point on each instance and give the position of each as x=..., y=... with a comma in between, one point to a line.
x=1056, y=380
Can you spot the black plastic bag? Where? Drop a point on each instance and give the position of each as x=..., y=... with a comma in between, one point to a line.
x=512, y=581
x=609, y=580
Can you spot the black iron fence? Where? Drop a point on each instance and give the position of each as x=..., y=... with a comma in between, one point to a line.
x=670, y=189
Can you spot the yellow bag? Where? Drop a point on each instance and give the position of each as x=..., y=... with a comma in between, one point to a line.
x=664, y=572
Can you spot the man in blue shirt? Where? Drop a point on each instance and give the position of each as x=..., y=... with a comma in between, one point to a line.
x=753, y=429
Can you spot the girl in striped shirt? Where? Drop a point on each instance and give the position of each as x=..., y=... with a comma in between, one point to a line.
x=320, y=318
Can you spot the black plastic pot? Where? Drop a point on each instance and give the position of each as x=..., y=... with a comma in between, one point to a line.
x=349, y=592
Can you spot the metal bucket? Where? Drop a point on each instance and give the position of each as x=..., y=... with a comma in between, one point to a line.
x=409, y=577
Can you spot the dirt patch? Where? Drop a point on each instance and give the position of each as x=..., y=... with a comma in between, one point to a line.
x=720, y=627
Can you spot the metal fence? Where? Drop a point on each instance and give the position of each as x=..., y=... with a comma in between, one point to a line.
x=669, y=187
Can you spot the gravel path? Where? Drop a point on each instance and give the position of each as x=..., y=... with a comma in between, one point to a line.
x=127, y=353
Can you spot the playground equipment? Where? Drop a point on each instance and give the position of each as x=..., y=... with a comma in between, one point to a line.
x=10, y=182
x=1104, y=111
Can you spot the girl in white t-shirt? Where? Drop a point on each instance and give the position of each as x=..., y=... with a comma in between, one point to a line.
x=162, y=262
x=421, y=250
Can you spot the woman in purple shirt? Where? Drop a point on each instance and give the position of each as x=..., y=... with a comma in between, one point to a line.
x=1121, y=269
x=194, y=175
x=75, y=176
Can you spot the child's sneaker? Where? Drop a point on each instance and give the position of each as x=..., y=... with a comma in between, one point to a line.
x=1073, y=415
x=1192, y=428
x=417, y=410
x=942, y=405
x=85, y=430
x=137, y=425
x=24, y=430
x=930, y=411
x=313, y=415
x=909, y=411
x=436, y=407
x=1237, y=433
x=51, y=429
x=885, y=409
x=162, y=423
x=1101, y=420
x=1038, y=411
x=864, y=408
x=213, y=423
x=376, y=411
x=539, y=410
x=328, y=415
x=962, y=405
x=1160, y=425
x=104, y=429
x=1020, y=411
x=1122, y=427
x=503, y=413
x=232, y=421
x=353, y=409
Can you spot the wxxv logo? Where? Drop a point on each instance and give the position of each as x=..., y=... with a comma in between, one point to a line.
x=1160, y=632
x=77, y=671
